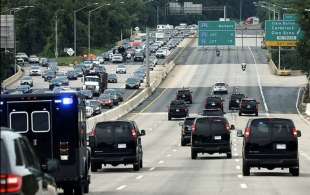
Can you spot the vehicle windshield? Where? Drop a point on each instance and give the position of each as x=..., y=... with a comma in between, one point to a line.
x=111, y=132
x=4, y=160
x=220, y=84
x=93, y=79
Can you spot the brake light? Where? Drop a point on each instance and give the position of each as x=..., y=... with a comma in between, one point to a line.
x=227, y=127
x=194, y=128
x=134, y=134
x=247, y=133
x=93, y=133
x=10, y=183
x=294, y=132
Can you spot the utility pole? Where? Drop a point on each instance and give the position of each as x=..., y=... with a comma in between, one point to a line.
x=89, y=32
x=157, y=15
x=56, y=36
x=147, y=58
x=74, y=21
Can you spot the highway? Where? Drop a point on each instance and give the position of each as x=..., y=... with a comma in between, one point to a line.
x=168, y=168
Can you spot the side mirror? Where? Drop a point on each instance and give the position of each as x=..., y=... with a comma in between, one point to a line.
x=52, y=165
x=92, y=141
x=239, y=133
x=232, y=127
x=142, y=132
x=298, y=133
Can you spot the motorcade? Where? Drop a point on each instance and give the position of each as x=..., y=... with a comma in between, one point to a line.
x=248, y=106
x=177, y=109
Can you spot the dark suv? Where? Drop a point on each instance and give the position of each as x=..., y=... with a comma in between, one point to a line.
x=248, y=106
x=234, y=102
x=20, y=170
x=211, y=135
x=184, y=94
x=214, y=102
x=177, y=109
x=270, y=143
x=186, y=131
x=116, y=142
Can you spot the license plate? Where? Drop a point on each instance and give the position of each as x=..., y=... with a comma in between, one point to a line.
x=121, y=146
x=281, y=146
x=213, y=104
x=217, y=137
x=177, y=110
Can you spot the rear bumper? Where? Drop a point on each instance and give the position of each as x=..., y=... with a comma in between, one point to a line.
x=212, y=148
x=130, y=159
x=245, y=111
x=265, y=163
x=178, y=114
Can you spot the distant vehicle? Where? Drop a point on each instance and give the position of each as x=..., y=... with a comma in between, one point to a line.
x=248, y=106
x=72, y=75
x=87, y=94
x=235, y=100
x=116, y=142
x=218, y=52
x=43, y=120
x=20, y=171
x=212, y=112
x=100, y=59
x=49, y=75
x=214, y=102
x=186, y=131
x=35, y=71
x=211, y=135
x=33, y=59
x=27, y=80
x=95, y=105
x=44, y=62
x=96, y=82
x=139, y=57
x=20, y=61
x=252, y=20
x=105, y=100
x=121, y=69
x=23, y=89
x=22, y=55
x=220, y=88
x=117, y=58
x=177, y=109
x=185, y=94
x=58, y=82
x=79, y=72
x=132, y=83
x=112, y=78
x=162, y=53
x=270, y=143
x=115, y=95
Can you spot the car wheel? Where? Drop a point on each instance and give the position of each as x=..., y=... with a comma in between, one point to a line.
x=240, y=113
x=256, y=113
x=183, y=142
x=245, y=169
x=79, y=189
x=294, y=171
x=68, y=190
x=141, y=163
x=169, y=118
x=94, y=167
x=193, y=154
x=86, y=188
x=228, y=154
x=136, y=166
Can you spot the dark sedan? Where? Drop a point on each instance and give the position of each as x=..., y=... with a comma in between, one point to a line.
x=112, y=78
x=72, y=75
x=132, y=83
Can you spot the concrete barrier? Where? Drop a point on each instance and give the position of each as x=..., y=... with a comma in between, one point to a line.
x=9, y=81
x=156, y=77
x=285, y=72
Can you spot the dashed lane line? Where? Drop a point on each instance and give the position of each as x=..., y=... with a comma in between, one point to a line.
x=121, y=187
x=243, y=186
x=139, y=177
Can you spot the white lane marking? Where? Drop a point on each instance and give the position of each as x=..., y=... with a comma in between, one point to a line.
x=237, y=160
x=152, y=169
x=259, y=83
x=235, y=149
x=168, y=155
x=161, y=162
x=238, y=167
x=299, y=113
x=174, y=150
x=240, y=176
x=140, y=177
x=235, y=154
x=121, y=187
x=305, y=155
x=243, y=186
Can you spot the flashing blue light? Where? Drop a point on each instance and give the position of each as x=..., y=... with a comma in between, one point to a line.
x=67, y=101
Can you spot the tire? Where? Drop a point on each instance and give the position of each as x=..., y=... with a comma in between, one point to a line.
x=240, y=114
x=245, y=169
x=256, y=113
x=141, y=163
x=136, y=166
x=68, y=190
x=79, y=189
x=183, y=142
x=86, y=188
x=294, y=171
x=193, y=155
x=94, y=167
x=169, y=118
x=228, y=154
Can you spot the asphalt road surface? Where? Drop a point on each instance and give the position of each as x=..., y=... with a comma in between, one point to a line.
x=168, y=168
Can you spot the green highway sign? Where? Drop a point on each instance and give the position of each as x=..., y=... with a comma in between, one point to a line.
x=215, y=33
x=290, y=17
x=282, y=32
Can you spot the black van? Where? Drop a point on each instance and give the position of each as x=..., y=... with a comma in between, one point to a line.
x=55, y=125
x=211, y=135
x=116, y=142
x=270, y=143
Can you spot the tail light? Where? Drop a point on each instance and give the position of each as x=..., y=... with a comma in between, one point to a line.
x=294, y=132
x=64, y=150
x=194, y=128
x=10, y=183
x=134, y=134
x=247, y=133
x=93, y=132
x=227, y=127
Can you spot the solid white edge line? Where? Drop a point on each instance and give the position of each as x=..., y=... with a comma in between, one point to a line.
x=140, y=177
x=161, y=162
x=151, y=169
x=121, y=187
x=238, y=167
x=259, y=83
x=243, y=186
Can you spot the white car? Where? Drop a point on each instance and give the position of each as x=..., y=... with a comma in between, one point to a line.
x=121, y=69
x=22, y=55
x=162, y=53
x=100, y=59
x=89, y=111
x=117, y=58
x=34, y=59
x=220, y=88
x=35, y=71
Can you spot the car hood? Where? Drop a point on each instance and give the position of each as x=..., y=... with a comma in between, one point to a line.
x=91, y=83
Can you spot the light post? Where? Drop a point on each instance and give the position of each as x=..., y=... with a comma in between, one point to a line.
x=74, y=21
x=56, y=32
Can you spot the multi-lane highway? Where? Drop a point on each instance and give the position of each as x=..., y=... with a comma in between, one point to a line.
x=168, y=168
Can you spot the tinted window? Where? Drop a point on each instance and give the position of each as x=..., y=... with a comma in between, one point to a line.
x=113, y=131
x=29, y=155
x=189, y=121
x=4, y=160
x=40, y=121
x=205, y=125
x=18, y=154
x=19, y=121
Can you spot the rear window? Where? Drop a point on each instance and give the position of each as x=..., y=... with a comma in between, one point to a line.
x=205, y=125
x=177, y=103
x=40, y=121
x=277, y=129
x=113, y=132
x=19, y=121
x=189, y=121
x=4, y=160
x=180, y=92
x=249, y=102
x=217, y=100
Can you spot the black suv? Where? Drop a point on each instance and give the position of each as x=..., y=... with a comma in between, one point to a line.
x=20, y=170
x=186, y=131
x=184, y=94
x=270, y=143
x=211, y=135
x=234, y=102
x=177, y=109
x=248, y=106
x=214, y=102
x=116, y=142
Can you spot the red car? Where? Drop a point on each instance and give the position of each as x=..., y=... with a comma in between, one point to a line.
x=105, y=100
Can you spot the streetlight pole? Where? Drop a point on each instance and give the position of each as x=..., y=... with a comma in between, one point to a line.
x=147, y=58
x=74, y=23
x=56, y=32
